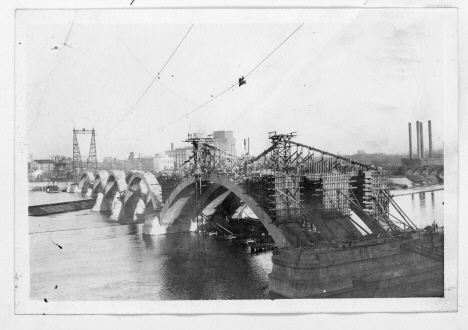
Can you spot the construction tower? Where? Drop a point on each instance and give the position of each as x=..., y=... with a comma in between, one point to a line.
x=92, y=159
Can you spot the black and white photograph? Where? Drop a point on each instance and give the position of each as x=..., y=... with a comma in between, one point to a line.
x=236, y=160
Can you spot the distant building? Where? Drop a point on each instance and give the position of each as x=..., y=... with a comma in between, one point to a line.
x=225, y=140
x=163, y=162
x=145, y=163
x=108, y=160
x=361, y=152
x=117, y=165
x=45, y=165
x=131, y=163
x=179, y=155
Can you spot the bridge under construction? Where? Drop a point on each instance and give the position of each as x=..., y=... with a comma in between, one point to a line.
x=334, y=221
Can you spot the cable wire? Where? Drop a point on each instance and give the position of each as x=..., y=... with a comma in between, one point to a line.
x=152, y=76
x=160, y=71
x=215, y=97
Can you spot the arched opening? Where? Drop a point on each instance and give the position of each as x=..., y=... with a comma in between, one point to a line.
x=114, y=187
x=86, y=183
x=100, y=182
x=141, y=196
x=182, y=194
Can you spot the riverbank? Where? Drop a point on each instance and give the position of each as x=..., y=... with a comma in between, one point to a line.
x=33, y=185
x=415, y=190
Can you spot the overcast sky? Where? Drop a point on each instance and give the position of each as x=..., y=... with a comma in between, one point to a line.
x=346, y=80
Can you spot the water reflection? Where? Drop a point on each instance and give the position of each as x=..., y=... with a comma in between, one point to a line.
x=104, y=260
x=422, y=198
x=422, y=213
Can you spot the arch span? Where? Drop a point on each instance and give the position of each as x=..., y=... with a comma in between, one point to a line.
x=108, y=200
x=86, y=183
x=176, y=195
x=100, y=181
x=143, y=195
x=280, y=235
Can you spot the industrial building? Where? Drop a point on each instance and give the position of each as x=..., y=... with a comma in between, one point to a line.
x=419, y=158
x=224, y=140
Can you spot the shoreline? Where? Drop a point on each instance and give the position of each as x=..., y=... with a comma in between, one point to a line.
x=411, y=191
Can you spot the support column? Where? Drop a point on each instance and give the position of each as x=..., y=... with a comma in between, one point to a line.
x=152, y=226
x=116, y=210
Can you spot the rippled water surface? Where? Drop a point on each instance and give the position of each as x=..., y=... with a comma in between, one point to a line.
x=103, y=260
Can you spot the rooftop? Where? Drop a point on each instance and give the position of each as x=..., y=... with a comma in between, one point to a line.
x=43, y=161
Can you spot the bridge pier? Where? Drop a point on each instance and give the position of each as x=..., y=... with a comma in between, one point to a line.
x=97, y=206
x=116, y=210
x=139, y=211
x=73, y=188
x=153, y=227
x=103, y=204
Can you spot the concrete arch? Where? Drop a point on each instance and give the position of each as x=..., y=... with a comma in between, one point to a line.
x=100, y=182
x=109, y=199
x=175, y=193
x=129, y=174
x=143, y=195
x=278, y=235
x=115, y=182
x=86, y=183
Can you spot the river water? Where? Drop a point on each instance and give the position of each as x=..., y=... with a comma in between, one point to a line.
x=105, y=260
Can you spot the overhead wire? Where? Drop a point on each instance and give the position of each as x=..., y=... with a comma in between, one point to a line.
x=152, y=76
x=159, y=73
x=218, y=95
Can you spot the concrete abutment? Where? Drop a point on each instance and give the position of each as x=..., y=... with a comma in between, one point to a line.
x=303, y=273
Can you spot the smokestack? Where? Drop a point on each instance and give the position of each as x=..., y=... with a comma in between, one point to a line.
x=172, y=146
x=430, y=138
x=410, y=142
x=245, y=144
x=418, y=144
x=248, y=145
x=422, y=139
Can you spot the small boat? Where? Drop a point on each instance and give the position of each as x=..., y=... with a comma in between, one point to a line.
x=212, y=233
x=52, y=189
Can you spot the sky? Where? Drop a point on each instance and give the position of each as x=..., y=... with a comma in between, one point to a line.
x=346, y=80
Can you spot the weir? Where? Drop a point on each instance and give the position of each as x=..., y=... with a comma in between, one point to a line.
x=53, y=208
